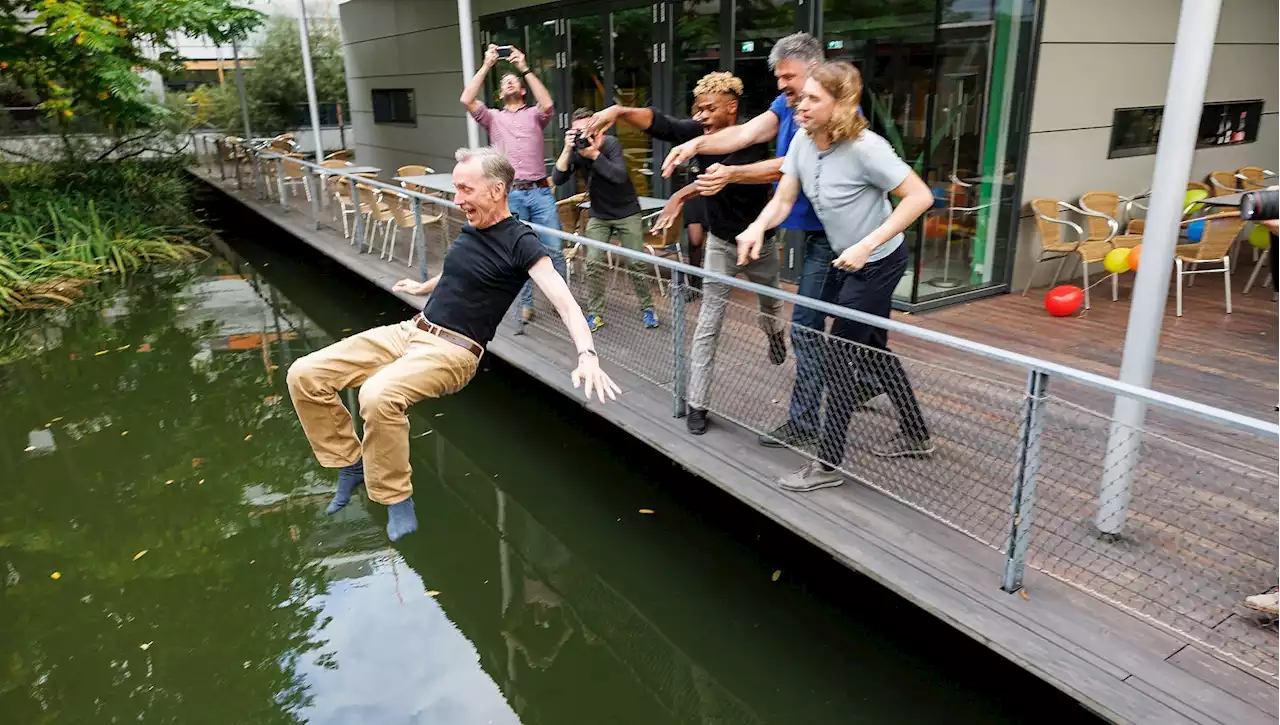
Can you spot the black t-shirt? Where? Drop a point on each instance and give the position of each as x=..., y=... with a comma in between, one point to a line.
x=731, y=211
x=483, y=272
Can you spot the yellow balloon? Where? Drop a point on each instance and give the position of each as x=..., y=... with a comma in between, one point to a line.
x=1260, y=237
x=1117, y=261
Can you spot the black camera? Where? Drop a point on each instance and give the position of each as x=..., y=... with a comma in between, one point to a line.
x=691, y=168
x=1259, y=206
x=581, y=141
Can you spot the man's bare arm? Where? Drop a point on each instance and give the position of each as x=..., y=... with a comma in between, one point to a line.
x=414, y=287
x=725, y=141
x=471, y=93
x=588, y=373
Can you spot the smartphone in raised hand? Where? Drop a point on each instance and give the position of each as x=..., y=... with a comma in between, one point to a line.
x=504, y=51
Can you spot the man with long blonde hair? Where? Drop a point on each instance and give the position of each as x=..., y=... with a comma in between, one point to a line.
x=858, y=170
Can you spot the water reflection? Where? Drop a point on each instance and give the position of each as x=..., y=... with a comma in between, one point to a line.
x=155, y=419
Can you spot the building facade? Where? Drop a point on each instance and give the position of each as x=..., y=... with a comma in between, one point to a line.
x=993, y=102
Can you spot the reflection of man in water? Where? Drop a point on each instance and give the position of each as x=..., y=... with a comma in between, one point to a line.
x=437, y=352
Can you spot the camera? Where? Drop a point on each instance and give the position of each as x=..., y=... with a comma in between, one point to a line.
x=1258, y=206
x=504, y=51
x=581, y=140
x=690, y=167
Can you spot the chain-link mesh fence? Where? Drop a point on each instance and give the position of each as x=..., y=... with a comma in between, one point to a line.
x=1015, y=468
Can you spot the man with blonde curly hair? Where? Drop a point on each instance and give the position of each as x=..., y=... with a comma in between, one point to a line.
x=727, y=214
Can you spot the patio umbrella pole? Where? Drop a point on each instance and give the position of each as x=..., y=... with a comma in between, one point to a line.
x=1184, y=101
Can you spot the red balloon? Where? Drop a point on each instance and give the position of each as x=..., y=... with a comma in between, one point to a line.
x=1134, y=254
x=1063, y=300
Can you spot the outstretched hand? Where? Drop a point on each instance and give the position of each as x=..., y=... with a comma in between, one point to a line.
x=589, y=376
x=679, y=155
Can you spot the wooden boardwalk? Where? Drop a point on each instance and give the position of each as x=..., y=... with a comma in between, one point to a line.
x=1120, y=662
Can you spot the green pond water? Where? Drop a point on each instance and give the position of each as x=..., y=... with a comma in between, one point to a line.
x=164, y=556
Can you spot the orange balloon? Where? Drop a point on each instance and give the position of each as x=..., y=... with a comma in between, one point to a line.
x=1134, y=254
x=935, y=226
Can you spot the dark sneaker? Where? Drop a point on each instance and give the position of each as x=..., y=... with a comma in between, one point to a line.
x=904, y=446
x=810, y=477
x=787, y=435
x=696, y=421
x=777, y=348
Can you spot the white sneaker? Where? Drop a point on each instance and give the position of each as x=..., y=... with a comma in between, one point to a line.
x=1267, y=602
x=810, y=477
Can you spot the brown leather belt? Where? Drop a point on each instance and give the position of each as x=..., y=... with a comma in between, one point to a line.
x=519, y=185
x=447, y=335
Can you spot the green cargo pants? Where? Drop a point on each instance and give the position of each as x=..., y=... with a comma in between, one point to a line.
x=629, y=231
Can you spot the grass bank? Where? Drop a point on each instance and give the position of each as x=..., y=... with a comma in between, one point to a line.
x=64, y=226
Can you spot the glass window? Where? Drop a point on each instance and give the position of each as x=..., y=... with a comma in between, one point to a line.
x=758, y=24
x=633, y=86
x=541, y=55
x=394, y=105
x=697, y=49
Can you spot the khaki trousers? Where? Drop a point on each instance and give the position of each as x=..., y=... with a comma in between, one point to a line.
x=395, y=367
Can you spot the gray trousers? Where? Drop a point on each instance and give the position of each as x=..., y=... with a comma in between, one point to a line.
x=722, y=256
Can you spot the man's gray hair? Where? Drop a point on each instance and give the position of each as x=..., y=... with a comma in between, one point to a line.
x=797, y=46
x=494, y=165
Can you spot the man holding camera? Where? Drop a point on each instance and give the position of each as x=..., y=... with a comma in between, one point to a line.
x=728, y=213
x=614, y=213
x=516, y=129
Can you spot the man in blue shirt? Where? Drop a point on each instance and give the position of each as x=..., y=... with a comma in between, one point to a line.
x=791, y=59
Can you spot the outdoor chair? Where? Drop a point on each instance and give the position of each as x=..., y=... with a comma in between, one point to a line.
x=404, y=219
x=1105, y=220
x=1223, y=182
x=375, y=212
x=340, y=155
x=1253, y=178
x=573, y=219
x=414, y=170
x=1054, y=245
x=1215, y=244
x=346, y=204
x=294, y=175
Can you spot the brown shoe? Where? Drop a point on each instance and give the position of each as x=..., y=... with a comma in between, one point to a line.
x=526, y=314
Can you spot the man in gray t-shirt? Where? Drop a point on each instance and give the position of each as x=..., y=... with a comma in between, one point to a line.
x=848, y=186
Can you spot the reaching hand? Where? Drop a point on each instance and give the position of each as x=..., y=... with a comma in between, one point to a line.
x=854, y=258
x=715, y=178
x=569, y=136
x=517, y=59
x=679, y=155
x=604, y=120
x=749, y=243
x=589, y=376
x=491, y=56
x=410, y=286
x=667, y=216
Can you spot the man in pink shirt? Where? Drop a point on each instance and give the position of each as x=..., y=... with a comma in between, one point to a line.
x=517, y=130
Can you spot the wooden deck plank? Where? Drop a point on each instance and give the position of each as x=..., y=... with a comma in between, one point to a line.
x=1106, y=658
x=1230, y=679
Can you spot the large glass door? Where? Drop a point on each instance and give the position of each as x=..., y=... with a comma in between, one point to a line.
x=631, y=32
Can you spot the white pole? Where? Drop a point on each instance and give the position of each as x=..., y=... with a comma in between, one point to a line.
x=468, y=63
x=244, y=104
x=1184, y=101
x=311, y=82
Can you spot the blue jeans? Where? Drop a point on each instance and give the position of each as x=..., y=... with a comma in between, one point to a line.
x=538, y=206
x=817, y=280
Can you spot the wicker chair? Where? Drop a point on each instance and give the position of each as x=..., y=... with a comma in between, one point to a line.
x=665, y=243
x=1220, y=231
x=1054, y=245
x=1223, y=182
x=1253, y=178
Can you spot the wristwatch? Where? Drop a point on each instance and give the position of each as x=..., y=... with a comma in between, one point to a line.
x=592, y=353
x=526, y=71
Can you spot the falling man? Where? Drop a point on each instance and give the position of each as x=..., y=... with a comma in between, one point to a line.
x=437, y=352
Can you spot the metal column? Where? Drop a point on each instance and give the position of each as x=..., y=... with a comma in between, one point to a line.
x=467, y=40
x=1024, y=480
x=1184, y=101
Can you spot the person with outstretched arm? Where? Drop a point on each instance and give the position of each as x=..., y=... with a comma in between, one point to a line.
x=614, y=212
x=848, y=173
x=727, y=213
x=791, y=59
x=516, y=129
x=435, y=353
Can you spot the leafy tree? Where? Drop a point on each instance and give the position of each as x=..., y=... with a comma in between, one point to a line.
x=276, y=86
x=82, y=57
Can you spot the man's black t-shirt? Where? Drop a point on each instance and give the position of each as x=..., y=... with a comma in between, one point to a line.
x=737, y=205
x=483, y=272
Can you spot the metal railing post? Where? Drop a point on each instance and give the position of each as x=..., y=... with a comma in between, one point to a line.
x=236, y=155
x=357, y=220
x=315, y=198
x=280, y=183
x=259, y=179
x=678, y=409
x=1022, y=504
x=222, y=167
x=419, y=238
